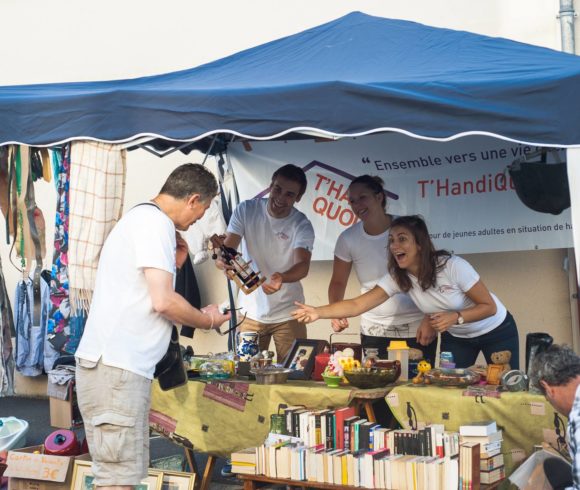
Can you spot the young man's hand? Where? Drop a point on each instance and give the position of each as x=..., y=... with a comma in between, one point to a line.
x=274, y=284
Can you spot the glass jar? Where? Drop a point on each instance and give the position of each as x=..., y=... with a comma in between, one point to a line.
x=371, y=357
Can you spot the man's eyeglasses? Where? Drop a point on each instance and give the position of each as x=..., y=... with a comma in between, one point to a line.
x=235, y=326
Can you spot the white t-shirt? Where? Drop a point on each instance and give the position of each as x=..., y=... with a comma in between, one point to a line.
x=453, y=281
x=368, y=254
x=122, y=327
x=270, y=243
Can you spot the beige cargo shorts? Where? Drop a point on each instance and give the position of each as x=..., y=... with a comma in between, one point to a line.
x=115, y=405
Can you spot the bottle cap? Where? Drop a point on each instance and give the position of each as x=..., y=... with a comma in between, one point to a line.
x=397, y=345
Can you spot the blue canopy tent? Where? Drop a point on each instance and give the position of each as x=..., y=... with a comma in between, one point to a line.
x=356, y=75
x=353, y=76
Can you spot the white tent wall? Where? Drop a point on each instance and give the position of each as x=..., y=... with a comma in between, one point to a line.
x=62, y=40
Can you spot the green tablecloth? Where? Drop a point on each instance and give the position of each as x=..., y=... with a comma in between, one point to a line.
x=525, y=418
x=193, y=420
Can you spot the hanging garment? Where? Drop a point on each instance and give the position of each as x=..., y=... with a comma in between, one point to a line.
x=186, y=286
x=6, y=334
x=30, y=335
x=58, y=321
x=97, y=189
x=198, y=234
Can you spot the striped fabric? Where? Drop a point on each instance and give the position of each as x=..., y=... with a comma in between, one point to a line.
x=97, y=189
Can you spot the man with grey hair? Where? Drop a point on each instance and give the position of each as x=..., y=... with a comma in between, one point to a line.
x=556, y=373
x=130, y=322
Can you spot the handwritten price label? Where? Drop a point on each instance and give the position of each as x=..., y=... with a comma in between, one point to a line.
x=538, y=408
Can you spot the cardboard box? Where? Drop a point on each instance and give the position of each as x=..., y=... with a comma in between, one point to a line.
x=65, y=414
x=30, y=469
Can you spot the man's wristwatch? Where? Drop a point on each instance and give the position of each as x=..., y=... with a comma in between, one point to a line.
x=460, y=319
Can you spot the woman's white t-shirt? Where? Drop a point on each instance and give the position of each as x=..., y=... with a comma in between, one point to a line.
x=453, y=281
x=368, y=255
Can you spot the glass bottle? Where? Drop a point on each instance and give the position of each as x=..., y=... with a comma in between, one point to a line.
x=371, y=357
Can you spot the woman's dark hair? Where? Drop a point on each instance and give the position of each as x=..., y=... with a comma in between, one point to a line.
x=374, y=183
x=431, y=261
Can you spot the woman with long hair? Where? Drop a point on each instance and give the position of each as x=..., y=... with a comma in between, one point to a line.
x=446, y=287
x=364, y=248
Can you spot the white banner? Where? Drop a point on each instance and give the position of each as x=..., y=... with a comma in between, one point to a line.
x=461, y=188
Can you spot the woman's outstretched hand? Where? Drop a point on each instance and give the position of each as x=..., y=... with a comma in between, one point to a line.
x=305, y=313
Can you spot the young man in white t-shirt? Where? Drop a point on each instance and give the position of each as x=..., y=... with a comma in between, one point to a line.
x=278, y=239
x=129, y=324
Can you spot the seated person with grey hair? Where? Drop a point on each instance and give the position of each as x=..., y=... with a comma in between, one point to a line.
x=556, y=373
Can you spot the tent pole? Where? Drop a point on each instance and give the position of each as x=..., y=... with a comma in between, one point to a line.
x=567, y=16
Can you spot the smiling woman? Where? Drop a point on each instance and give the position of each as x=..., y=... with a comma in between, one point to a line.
x=469, y=317
x=364, y=248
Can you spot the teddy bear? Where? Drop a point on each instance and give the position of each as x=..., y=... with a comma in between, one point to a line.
x=500, y=363
x=503, y=358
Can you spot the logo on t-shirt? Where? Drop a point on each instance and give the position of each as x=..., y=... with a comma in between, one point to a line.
x=445, y=288
x=282, y=236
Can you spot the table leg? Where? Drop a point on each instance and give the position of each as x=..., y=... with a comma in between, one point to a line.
x=206, y=480
x=249, y=485
x=191, y=460
x=368, y=404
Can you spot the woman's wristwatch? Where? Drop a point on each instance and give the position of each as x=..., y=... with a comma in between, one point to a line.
x=460, y=319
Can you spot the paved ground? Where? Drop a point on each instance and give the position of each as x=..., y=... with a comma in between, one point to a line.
x=36, y=413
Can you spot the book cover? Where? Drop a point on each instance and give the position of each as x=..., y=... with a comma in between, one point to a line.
x=340, y=415
x=483, y=428
x=488, y=464
x=247, y=455
x=469, y=465
x=347, y=431
x=493, y=437
x=330, y=430
x=493, y=476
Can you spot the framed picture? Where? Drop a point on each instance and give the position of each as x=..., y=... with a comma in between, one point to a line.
x=154, y=481
x=83, y=478
x=301, y=357
x=178, y=480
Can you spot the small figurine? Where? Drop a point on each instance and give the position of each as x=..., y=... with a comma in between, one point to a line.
x=422, y=367
x=503, y=358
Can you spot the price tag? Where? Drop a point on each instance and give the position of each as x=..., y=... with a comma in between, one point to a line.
x=517, y=455
x=393, y=399
x=538, y=408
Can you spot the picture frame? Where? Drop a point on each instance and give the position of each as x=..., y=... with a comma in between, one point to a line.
x=178, y=480
x=301, y=356
x=493, y=374
x=83, y=478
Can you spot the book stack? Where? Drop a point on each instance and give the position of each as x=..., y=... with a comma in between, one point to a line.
x=487, y=435
x=338, y=447
x=492, y=469
x=245, y=461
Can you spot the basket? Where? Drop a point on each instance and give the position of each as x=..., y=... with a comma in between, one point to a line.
x=366, y=378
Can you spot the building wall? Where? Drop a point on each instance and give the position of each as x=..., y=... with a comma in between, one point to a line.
x=63, y=40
